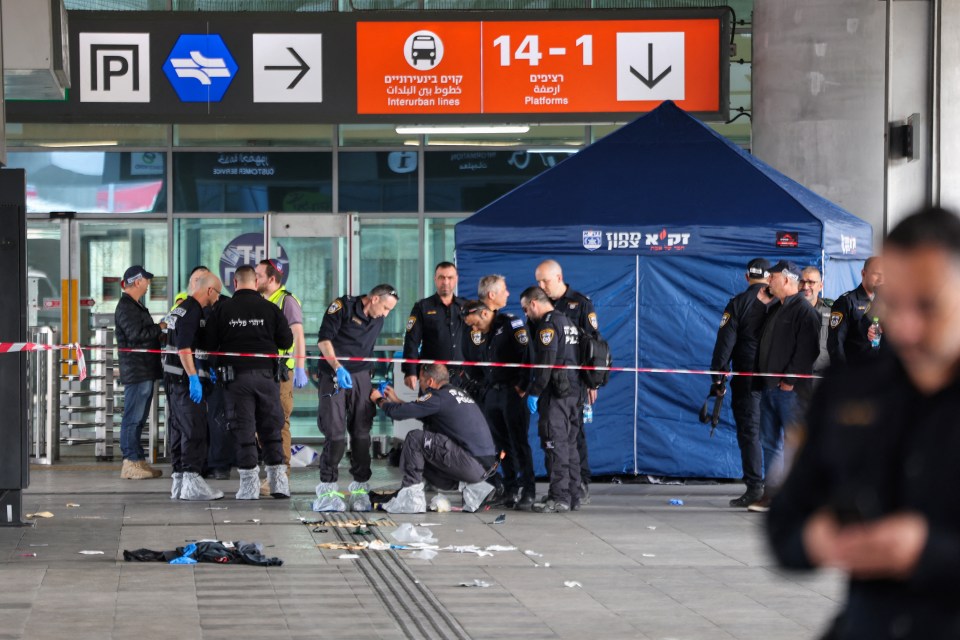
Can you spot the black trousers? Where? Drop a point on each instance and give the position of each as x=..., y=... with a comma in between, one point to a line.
x=558, y=437
x=582, y=438
x=222, y=450
x=509, y=420
x=187, y=424
x=347, y=411
x=254, y=413
x=438, y=459
x=746, y=413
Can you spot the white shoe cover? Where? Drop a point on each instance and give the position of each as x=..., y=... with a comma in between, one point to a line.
x=359, y=495
x=474, y=494
x=411, y=499
x=329, y=498
x=249, y=484
x=196, y=488
x=277, y=480
x=177, y=478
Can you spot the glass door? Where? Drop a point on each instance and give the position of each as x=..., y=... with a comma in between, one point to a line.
x=313, y=249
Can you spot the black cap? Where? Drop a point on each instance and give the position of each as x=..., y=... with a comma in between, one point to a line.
x=134, y=273
x=473, y=306
x=758, y=267
x=789, y=269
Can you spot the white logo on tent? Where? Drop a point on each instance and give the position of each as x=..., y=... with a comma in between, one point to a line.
x=592, y=239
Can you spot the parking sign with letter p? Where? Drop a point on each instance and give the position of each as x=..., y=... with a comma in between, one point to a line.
x=114, y=67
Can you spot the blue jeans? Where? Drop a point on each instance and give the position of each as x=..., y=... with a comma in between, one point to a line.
x=136, y=406
x=778, y=410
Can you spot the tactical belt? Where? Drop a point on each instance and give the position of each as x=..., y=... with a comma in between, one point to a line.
x=178, y=371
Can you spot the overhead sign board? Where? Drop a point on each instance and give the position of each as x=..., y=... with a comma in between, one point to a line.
x=363, y=67
x=536, y=67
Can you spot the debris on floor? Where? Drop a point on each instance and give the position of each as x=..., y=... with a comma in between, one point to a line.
x=476, y=583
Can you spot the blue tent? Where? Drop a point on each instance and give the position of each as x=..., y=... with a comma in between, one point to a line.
x=656, y=222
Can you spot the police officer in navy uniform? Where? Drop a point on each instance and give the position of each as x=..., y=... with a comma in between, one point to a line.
x=453, y=447
x=579, y=309
x=183, y=369
x=435, y=326
x=350, y=328
x=737, y=340
x=502, y=337
x=848, y=331
x=811, y=286
x=555, y=395
x=247, y=323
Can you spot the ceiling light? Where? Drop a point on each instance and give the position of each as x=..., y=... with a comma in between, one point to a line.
x=438, y=129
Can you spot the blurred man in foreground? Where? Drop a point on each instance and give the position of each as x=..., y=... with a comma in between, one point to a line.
x=872, y=491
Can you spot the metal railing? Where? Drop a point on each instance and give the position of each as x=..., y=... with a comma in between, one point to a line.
x=43, y=413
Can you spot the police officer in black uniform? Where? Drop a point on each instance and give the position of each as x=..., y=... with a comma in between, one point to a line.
x=873, y=491
x=579, y=309
x=737, y=340
x=350, y=329
x=502, y=337
x=435, y=326
x=554, y=393
x=247, y=323
x=183, y=368
x=454, y=445
x=847, y=339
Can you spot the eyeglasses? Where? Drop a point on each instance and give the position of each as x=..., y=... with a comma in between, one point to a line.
x=804, y=283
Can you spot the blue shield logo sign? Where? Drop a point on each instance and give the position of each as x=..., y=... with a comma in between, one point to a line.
x=592, y=239
x=200, y=68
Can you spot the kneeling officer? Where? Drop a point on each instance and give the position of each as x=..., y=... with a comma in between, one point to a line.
x=454, y=446
x=248, y=323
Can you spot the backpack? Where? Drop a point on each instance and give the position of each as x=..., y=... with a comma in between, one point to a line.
x=594, y=352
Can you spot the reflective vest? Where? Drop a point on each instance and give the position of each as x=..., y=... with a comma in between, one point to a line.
x=177, y=299
x=277, y=298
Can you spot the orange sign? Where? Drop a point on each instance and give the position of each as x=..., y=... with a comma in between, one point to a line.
x=559, y=66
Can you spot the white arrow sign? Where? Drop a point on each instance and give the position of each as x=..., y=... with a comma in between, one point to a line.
x=287, y=67
x=650, y=66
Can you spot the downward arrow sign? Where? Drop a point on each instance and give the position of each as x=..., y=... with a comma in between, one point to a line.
x=303, y=67
x=649, y=80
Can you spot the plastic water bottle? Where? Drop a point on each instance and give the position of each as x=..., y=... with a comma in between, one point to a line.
x=587, y=413
x=875, y=341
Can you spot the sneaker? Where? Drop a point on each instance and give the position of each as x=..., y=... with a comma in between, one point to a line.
x=762, y=505
x=132, y=470
x=156, y=473
x=748, y=498
x=550, y=505
x=584, y=492
x=575, y=504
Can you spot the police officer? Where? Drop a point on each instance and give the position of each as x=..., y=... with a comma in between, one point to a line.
x=847, y=339
x=872, y=493
x=453, y=447
x=435, y=325
x=579, y=309
x=183, y=368
x=554, y=393
x=249, y=324
x=811, y=286
x=293, y=372
x=737, y=340
x=349, y=329
x=501, y=337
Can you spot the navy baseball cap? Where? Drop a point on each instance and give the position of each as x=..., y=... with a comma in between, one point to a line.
x=134, y=273
x=789, y=269
x=758, y=267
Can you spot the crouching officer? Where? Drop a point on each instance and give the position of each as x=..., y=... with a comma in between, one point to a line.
x=555, y=394
x=183, y=367
x=500, y=337
x=453, y=447
x=250, y=324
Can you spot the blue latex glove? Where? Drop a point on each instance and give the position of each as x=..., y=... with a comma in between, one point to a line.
x=382, y=388
x=213, y=376
x=299, y=378
x=344, y=379
x=532, y=403
x=196, y=389
x=188, y=551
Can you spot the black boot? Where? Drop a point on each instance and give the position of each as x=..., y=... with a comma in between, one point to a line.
x=752, y=494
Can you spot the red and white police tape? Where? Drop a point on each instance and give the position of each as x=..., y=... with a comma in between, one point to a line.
x=9, y=347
